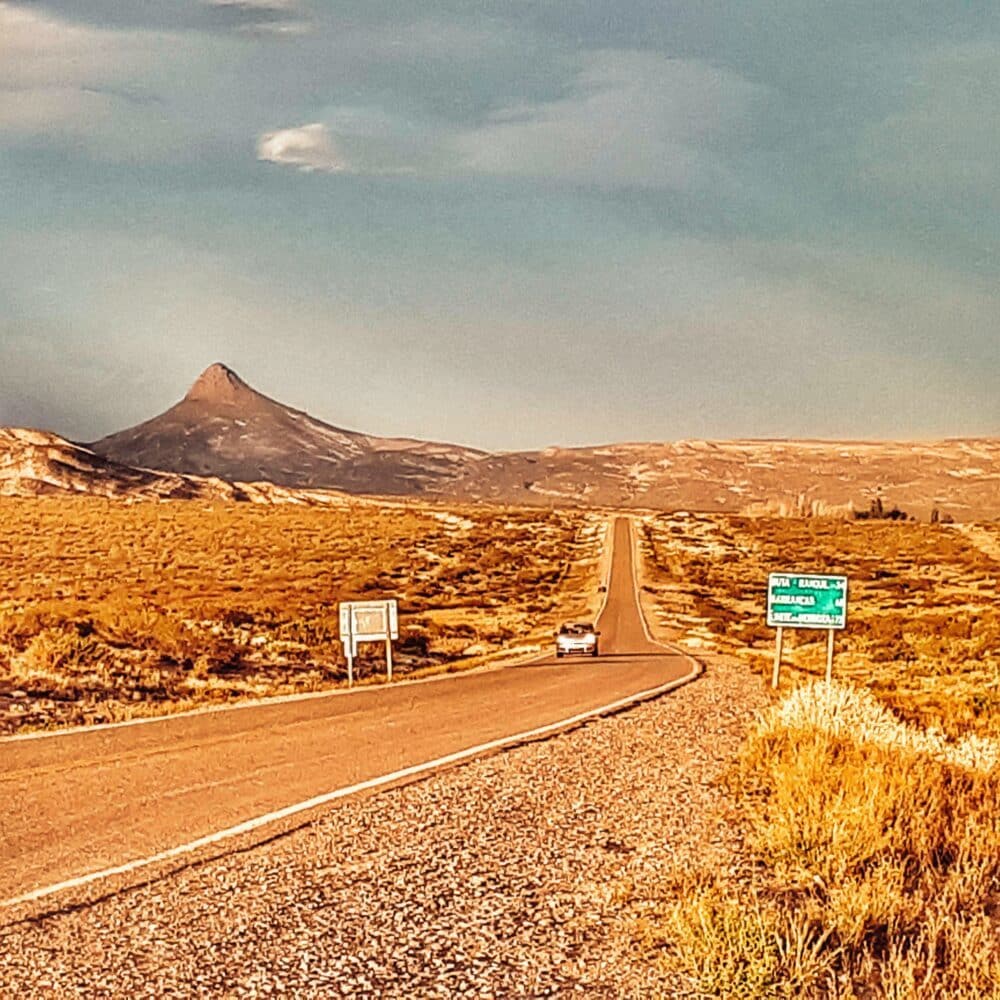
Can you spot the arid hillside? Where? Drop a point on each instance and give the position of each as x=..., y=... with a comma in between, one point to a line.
x=38, y=464
x=226, y=431
x=224, y=428
x=960, y=478
x=34, y=463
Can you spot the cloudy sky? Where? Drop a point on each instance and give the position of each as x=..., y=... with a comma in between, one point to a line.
x=506, y=224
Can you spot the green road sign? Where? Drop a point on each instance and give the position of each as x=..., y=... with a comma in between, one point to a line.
x=796, y=600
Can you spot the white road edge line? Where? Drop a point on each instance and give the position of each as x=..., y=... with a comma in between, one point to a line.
x=604, y=571
x=280, y=699
x=413, y=771
x=408, y=772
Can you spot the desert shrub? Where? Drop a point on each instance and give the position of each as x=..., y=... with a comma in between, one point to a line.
x=237, y=617
x=316, y=632
x=746, y=946
x=413, y=644
x=883, y=838
x=52, y=650
x=52, y=653
x=128, y=624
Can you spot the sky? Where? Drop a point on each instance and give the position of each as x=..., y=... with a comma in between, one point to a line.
x=508, y=225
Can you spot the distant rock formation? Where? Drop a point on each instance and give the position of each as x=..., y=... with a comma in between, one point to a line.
x=221, y=386
x=225, y=428
x=35, y=464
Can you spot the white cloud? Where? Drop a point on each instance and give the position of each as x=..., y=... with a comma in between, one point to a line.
x=55, y=76
x=40, y=50
x=630, y=118
x=308, y=147
x=358, y=139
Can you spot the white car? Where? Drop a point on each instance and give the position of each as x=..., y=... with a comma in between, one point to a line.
x=577, y=637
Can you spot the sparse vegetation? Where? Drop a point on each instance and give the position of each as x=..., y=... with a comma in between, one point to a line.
x=881, y=872
x=923, y=629
x=109, y=610
x=869, y=805
x=877, y=511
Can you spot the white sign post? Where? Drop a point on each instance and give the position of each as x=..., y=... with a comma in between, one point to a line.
x=800, y=600
x=368, y=621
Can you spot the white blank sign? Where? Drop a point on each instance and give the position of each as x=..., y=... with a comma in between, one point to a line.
x=369, y=621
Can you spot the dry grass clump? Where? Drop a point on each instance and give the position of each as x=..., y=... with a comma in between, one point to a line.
x=881, y=854
x=109, y=610
x=743, y=946
x=841, y=710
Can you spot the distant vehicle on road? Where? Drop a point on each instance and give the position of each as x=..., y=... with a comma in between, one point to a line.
x=577, y=637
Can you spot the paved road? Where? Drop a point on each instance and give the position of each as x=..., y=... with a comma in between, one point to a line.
x=79, y=803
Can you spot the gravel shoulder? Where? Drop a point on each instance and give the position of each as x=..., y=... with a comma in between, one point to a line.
x=522, y=874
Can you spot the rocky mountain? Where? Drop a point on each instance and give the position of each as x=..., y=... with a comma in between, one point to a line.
x=225, y=428
x=36, y=463
x=959, y=477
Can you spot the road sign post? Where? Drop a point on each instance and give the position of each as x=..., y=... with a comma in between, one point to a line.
x=779, y=644
x=368, y=621
x=810, y=601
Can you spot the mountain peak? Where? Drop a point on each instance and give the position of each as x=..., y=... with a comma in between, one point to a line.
x=219, y=384
x=226, y=428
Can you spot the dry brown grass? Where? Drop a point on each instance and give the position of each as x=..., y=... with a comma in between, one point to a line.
x=924, y=625
x=881, y=875
x=869, y=805
x=109, y=610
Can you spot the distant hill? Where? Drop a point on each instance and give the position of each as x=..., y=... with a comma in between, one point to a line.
x=224, y=428
x=36, y=463
x=960, y=477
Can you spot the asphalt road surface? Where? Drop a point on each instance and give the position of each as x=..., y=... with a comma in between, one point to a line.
x=75, y=804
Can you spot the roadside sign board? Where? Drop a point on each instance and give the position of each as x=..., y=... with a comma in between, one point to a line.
x=368, y=621
x=798, y=600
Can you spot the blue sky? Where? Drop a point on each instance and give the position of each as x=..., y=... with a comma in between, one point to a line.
x=505, y=224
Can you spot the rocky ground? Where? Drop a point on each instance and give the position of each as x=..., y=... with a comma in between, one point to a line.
x=520, y=875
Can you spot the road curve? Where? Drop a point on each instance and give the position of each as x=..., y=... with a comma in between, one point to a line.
x=82, y=802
